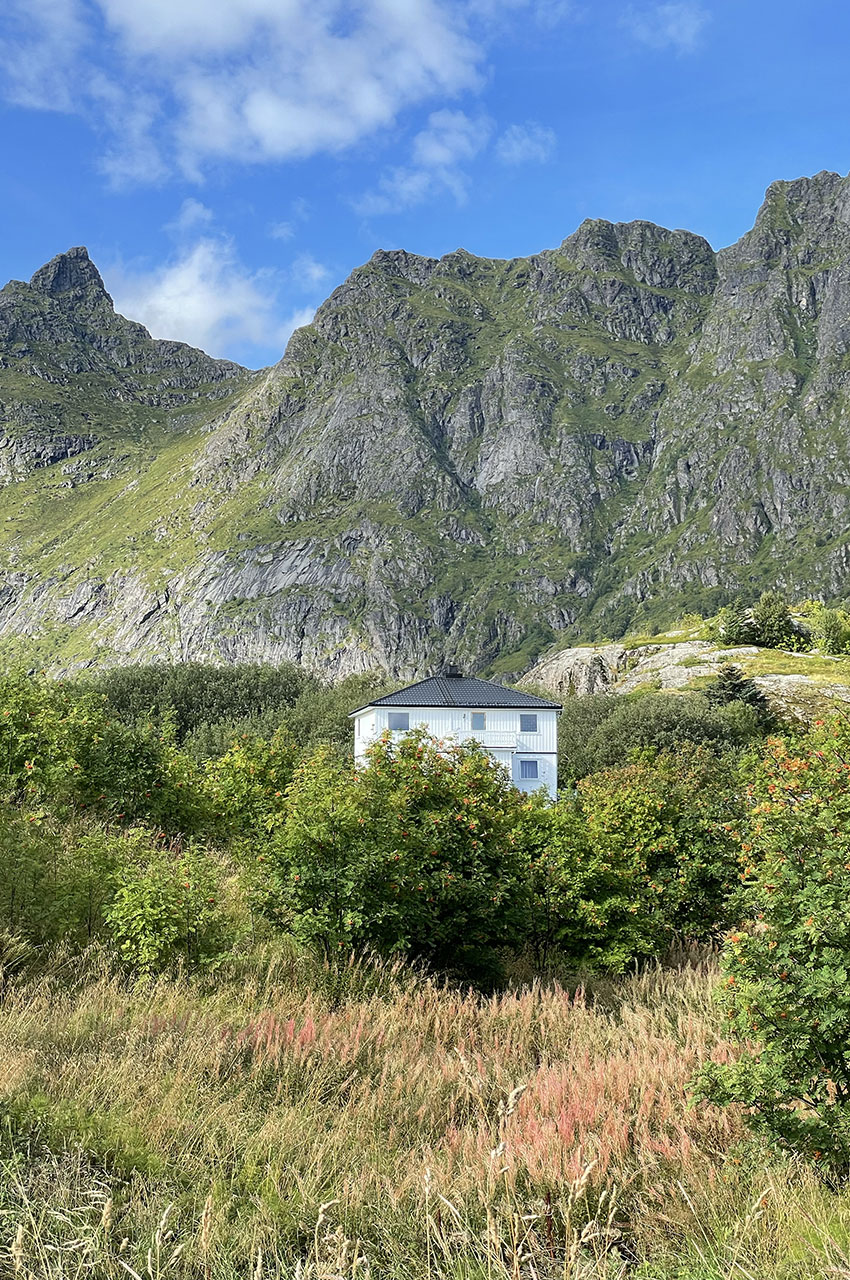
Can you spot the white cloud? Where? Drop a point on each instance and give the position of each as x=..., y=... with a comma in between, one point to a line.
x=39, y=43
x=189, y=82
x=193, y=214
x=677, y=25
x=529, y=143
x=439, y=151
x=547, y=13
x=299, y=211
x=307, y=273
x=204, y=296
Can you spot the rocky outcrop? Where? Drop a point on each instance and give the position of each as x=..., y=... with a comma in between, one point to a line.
x=460, y=459
x=616, y=668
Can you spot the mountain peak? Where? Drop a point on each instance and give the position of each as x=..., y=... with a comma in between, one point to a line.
x=71, y=272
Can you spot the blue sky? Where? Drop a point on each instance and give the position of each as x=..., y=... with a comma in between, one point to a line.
x=228, y=162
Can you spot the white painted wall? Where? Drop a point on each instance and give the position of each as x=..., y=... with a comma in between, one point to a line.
x=501, y=736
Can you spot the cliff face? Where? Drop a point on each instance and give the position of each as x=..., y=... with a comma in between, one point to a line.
x=459, y=459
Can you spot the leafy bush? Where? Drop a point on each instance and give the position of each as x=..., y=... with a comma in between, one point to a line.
x=787, y=967
x=40, y=721
x=60, y=745
x=831, y=629
x=247, y=785
x=57, y=879
x=31, y=880
x=580, y=903
x=661, y=824
x=411, y=855
x=581, y=717
x=662, y=722
x=166, y=907
x=772, y=622
x=192, y=694
x=322, y=713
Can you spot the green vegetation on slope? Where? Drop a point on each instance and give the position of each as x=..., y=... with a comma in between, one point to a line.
x=224, y=960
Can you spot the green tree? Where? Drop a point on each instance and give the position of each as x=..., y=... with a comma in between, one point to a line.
x=190, y=695
x=655, y=722
x=582, y=716
x=831, y=629
x=322, y=713
x=786, y=983
x=731, y=685
x=661, y=824
x=167, y=907
x=247, y=785
x=734, y=625
x=772, y=623
x=581, y=906
x=61, y=746
x=410, y=855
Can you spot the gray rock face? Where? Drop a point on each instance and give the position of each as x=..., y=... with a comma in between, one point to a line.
x=613, y=668
x=459, y=459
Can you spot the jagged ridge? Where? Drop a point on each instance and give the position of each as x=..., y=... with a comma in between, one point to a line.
x=460, y=458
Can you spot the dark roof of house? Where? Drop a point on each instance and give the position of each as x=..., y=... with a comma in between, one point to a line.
x=459, y=691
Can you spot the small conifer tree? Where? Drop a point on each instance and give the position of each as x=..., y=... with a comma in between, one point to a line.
x=731, y=685
x=734, y=624
x=772, y=623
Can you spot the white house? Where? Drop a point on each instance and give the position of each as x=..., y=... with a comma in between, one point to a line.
x=519, y=730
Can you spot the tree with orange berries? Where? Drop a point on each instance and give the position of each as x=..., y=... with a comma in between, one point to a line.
x=786, y=969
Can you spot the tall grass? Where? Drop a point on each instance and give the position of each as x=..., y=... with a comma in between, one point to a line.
x=283, y=1120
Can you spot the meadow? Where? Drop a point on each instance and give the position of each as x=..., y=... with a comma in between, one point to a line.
x=288, y=1121
x=266, y=1014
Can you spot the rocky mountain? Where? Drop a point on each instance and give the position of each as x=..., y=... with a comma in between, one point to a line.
x=459, y=459
x=801, y=685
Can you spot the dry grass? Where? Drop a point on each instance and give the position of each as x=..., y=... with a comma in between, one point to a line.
x=386, y=1127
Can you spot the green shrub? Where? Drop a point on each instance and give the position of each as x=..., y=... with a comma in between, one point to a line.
x=322, y=714
x=247, y=785
x=580, y=904
x=60, y=746
x=772, y=623
x=786, y=983
x=831, y=629
x=31, y=871
x=580, y=719
x=663, y=722
x=166, y=907
x=411, y=855
x=57, y=878
x=191, y=694
x=662, y=825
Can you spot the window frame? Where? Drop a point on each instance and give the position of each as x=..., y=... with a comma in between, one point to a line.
x=529, y=777
x=529, y=715
x=398, y=715
x=478, y=728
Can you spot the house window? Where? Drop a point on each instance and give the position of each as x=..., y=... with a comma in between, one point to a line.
x=528, y=724
x=528, y=769
x=399, y=721
x=479, y=720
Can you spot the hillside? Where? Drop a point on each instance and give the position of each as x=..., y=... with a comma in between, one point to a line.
x=803, y=684
x=459, y=459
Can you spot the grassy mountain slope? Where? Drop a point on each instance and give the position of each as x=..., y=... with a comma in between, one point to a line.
x=459, y=459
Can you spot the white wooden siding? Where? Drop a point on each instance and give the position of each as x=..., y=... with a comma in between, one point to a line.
x=501, y=737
